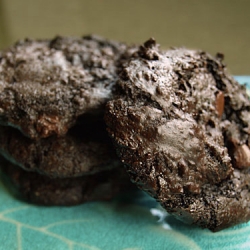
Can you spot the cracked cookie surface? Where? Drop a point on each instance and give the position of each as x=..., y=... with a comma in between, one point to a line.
x=45, y=85
x=181, y=127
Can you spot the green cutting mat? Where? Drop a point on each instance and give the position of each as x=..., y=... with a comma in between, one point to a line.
x=130, y=222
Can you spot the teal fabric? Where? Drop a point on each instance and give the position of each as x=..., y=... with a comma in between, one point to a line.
x=129, y=222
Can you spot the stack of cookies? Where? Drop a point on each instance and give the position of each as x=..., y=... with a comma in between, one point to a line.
x=52, y=99
x=179, y=123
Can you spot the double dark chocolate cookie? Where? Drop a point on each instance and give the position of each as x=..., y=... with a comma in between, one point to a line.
x=45, y=85
x=181, y=126
x=52, y=99
x=85, y=149
x=40, y=189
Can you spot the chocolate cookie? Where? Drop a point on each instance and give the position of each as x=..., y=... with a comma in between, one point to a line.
x=40, y=189
x=46, y=84
x=85, y=149
x=181, y=125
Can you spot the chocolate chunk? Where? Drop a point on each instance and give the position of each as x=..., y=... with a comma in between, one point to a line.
x=242, y=156
x=220, y=102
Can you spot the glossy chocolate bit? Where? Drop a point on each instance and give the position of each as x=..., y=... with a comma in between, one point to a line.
x=174, y=119
x=220, y=103
x=242, y=156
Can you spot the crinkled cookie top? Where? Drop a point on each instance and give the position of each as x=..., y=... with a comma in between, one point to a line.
x=46, y=84
x=181, y=126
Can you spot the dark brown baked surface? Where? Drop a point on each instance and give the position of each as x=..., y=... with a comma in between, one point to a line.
x=181, y=126
x=40, y=189
x=85, y=149
x=46, y=84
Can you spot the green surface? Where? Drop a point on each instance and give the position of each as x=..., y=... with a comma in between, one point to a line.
x=210, y=25
x=130, y=222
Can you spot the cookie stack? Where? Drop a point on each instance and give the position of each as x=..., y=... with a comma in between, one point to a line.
x=179, y=122
x=52, y=98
